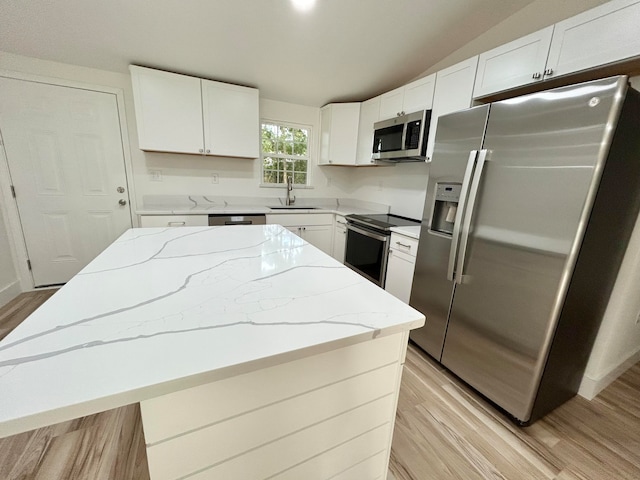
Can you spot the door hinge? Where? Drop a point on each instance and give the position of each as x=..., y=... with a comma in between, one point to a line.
x=29, y=264
x=13, y=191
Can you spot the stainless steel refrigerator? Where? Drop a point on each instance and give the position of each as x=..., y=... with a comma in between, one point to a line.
x=530, y=204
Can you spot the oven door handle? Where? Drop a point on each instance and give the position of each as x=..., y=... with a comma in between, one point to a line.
x=368, y=233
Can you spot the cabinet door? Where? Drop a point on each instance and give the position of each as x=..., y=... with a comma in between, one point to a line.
x=168, y=111
x=369, y=114
x=391, y=103
x=418, y=95
x=514, y=64
x=602, y=35
x=399, y=275
x=339, y=239
x=454, y=89
x=174, y=220
x=320, y=236
x=339, y=133
x=231, y=120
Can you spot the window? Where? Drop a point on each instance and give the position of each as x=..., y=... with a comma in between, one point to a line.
x=285, y=151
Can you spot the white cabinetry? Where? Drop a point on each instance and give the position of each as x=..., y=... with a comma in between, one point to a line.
x=514, y=64
x=453, y=91
x=414, y=96
x=182, y=114
x=602, y=35
x=174, y=220
x=168, y=111
x=231, y=120
x=339, y=133
x=339, y=238
x=369, y=114
x=605, y=34
x=400, y=266
x=315, y=228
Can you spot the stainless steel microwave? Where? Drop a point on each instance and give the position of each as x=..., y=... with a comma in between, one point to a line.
x=403, y=138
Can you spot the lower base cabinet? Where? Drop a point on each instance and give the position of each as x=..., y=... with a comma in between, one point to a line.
x=400, y=266
x=339, y=238
x=317, y=229
x=174, y=220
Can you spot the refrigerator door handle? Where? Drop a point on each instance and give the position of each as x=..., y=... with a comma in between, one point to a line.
x=455, y=236
x=466, y=225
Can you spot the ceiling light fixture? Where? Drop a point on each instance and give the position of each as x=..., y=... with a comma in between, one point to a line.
x=303, y=5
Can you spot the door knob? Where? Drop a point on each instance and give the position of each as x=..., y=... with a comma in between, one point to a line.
x=120, y=189
x=122, y=202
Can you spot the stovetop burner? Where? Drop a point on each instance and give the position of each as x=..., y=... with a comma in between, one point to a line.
x=382, y=221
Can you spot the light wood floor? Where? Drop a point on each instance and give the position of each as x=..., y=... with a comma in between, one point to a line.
x=443, y=431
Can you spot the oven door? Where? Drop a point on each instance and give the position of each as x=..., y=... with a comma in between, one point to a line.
x=366, y=253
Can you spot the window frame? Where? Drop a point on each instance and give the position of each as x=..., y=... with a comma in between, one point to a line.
x=307, y=158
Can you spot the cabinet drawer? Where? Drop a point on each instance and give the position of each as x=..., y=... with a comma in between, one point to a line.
x=174, y=220
x=404, y=244
x=300, y=219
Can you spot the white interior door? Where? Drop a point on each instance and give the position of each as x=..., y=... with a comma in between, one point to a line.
x=65, y=154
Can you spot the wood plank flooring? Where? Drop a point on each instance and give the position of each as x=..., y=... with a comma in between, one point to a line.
x=443, y=431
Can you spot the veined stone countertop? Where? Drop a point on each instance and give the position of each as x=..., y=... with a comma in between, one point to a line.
x=412, y=231
x=163, y=309
x=204, y=205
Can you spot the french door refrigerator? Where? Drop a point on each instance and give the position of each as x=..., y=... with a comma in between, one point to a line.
x=530, y=204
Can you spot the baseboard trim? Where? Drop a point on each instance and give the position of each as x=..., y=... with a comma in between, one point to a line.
x=590, y=387
x=9, y=292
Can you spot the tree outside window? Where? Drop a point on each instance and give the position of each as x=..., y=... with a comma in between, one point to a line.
x=285, y=151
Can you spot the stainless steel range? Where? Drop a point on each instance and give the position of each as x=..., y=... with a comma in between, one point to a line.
x=367, y=245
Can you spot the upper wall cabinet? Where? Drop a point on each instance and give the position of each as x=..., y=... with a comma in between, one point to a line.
x=414, y=96
x=454, y=90
x=605, y=34
x=514, y=64
x=602, y=35
x=182, y=114
x=339, y=133
x=369, y=114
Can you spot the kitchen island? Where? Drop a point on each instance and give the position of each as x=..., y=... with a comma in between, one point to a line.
x=252, y=354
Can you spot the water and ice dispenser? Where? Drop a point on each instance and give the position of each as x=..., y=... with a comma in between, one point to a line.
x=445, y=207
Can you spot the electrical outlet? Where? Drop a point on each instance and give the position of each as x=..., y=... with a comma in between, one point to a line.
x=329, y=181
x=638, y=319
x=215, y=178
x=156, y=175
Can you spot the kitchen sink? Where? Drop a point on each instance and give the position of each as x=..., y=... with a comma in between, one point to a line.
x=293, y=207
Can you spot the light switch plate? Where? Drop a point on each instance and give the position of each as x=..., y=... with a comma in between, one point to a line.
x=215, y=178
x=156, y=175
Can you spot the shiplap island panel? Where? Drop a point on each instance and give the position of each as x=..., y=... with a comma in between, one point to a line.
x=246, y=332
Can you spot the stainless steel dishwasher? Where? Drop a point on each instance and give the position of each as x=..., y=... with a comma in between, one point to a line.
x=237, y=219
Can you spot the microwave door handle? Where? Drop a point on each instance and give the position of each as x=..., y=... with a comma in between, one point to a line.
x=457, y=225
x=466, y=226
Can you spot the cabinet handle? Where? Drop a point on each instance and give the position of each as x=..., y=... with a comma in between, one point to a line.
x=548, y=71
x=341, y=223
x=201, y=150
x=403, y=245
x=122, y=202
x=536, y=76
x=176, y=224
x=208, y=151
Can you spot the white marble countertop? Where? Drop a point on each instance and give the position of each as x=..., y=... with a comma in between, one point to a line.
x=163, y=309
x=204, y=205
x=411, y=231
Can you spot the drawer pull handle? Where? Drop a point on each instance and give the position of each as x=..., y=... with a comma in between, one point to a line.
x=177, y=224
x=403, y=245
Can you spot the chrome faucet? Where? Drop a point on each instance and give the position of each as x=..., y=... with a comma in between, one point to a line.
x=289, y=200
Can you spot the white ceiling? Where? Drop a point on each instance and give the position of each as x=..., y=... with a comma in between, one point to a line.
x=342, y=50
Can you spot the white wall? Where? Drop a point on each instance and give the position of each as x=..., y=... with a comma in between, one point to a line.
x=191, y=174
